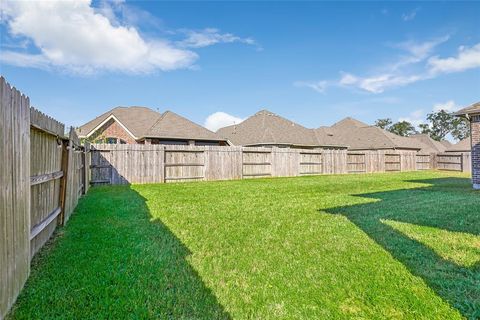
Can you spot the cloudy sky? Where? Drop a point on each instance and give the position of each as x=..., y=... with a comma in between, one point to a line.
x=219, y=62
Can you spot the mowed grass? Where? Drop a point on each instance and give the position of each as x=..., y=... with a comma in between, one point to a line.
x=380, y=246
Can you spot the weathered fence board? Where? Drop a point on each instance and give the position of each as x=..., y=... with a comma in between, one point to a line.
x=454, y=161
x=45, y=159
x=34, y=174
x=120, y=164
x=423, y=161
x=14, y=194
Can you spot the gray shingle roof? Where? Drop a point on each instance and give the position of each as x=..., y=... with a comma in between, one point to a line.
x=137, y=119
x=447, y=144
x=265, y=127
x=360, y=136
x=471, y=109
x=146, y=123
x=431, y=146
x=171, y=125
x=462, y=146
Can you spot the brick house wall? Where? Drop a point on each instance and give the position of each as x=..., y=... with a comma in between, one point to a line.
x=475, y=136
x=112, y=129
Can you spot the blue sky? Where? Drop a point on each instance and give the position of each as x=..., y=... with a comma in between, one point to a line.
x=312, y=62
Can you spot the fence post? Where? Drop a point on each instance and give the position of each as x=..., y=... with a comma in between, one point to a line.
x=162, y=164
x=66, y=146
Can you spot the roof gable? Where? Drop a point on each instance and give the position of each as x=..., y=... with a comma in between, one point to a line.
x=136, y=120
x=265, y=127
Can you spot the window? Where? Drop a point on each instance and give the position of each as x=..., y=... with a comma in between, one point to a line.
x=122, y=141
x=111, y=140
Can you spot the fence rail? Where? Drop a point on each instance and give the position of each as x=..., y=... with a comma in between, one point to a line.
x=121, y=164
x=43, y=174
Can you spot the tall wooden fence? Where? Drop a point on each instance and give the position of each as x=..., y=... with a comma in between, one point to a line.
x=121, y=164
x=42, y=175
x=454, y=161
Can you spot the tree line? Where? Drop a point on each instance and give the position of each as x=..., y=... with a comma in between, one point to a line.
x=439, y=124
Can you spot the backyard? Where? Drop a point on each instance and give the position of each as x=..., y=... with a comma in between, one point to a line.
x=376, y=246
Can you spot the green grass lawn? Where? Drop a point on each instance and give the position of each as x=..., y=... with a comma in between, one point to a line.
x=380, y=246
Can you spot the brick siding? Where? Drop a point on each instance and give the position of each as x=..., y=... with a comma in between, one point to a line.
x=112, y=129
x=475, y=131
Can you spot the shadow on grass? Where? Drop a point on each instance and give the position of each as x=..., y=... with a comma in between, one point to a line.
x=448, y=205
x=112, y=261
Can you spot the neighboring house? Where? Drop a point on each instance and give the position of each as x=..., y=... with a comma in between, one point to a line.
x=361, y=136
x=431, y=146
x=446, y=143
x=266, y=129
x=129, y=125
x=472, y=114
x=461, y=146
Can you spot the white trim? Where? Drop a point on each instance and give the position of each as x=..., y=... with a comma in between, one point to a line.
x=105, y=121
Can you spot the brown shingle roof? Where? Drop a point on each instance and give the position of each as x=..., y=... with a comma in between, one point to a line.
x=447, y=144
x=137, y=120
x=462, y=146
x=171, y=125
x=431, y=146
x=143, y=122
x=265, y=127
x=471, y=109
x=360, y=136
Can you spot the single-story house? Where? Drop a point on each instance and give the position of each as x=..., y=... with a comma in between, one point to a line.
x=130, y=125
x=446, y=143
x=461, y=146
x=472, y=113
x=267, y=129
x=360, y=136
x=431, y=146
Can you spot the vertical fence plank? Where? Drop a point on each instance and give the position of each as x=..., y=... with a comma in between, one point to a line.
x=15, y=194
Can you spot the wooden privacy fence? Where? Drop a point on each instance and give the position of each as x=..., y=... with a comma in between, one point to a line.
x=454, y=161
x=121, y=164
x=42, y=175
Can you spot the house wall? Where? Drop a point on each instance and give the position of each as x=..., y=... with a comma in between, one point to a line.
x=112, y=129
x=475, y=136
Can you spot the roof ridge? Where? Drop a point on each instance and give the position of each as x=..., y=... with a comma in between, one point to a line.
x=162, y=115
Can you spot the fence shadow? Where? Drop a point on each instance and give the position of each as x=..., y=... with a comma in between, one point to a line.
x=113, y=261
x=433, y=230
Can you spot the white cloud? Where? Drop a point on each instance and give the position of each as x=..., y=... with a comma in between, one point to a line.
x=76, y=37
x=416, y=64
x=219, y=120
x=318, y=86
x=415, y=118
x=71, y=35
x=396, y=74
x=348, y=79
x=449, y=106
x=410, y=15
x=467, y=58
x=210, y=36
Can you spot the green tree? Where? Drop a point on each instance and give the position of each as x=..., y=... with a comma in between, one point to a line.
x=384, y=123
x=402, y=128
x=425, y=128
x=460, y=128
x=440, y=124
